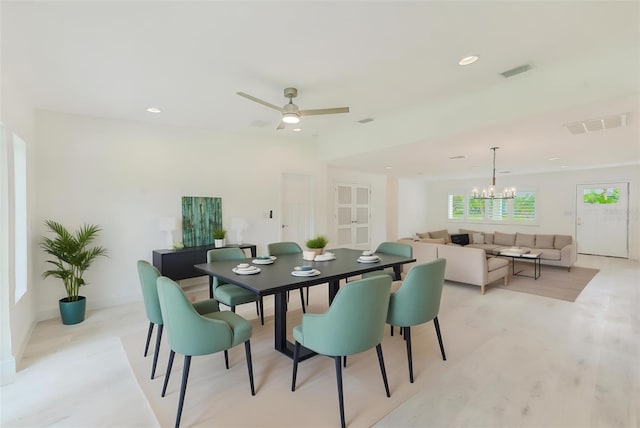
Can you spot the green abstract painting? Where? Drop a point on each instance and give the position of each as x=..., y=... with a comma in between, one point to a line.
x=200, y=217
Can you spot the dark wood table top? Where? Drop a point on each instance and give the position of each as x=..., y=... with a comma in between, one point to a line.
x=276, y=277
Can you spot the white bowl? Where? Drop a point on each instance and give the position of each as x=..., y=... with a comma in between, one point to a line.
x=243, y=265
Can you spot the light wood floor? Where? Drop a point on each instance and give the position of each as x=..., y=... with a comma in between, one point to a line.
x=513, y=360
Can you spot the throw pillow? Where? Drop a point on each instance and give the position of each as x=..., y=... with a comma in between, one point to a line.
x=525, y=240
x=444, y=234
x=423, y=235
x=460, y=238
x=561, y=241
x=488, y=238
x=478, y=238
x=544, y=241
x=507, y=239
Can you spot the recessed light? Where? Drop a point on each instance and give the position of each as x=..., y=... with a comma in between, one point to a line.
x=297, y=129
x=388, y=167
x=154, y=110
x=554, y=158
x=468, y=60
x=564, y=166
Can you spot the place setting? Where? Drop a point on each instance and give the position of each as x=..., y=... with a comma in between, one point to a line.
x=245, y=269
x=327, y=256
x=264, y=260
x=305, y=271
x=368, y=257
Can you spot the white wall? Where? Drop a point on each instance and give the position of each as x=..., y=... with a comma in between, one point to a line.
x=555, y=194
x=124, y=176
x=18, y=319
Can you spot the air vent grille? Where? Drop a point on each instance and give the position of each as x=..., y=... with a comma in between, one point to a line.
x=517, y=70
x=366, y=120
x=598, y=124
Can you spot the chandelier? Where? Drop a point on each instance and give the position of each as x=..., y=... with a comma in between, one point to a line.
x=490, y=193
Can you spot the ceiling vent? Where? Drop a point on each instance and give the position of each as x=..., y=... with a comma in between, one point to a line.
x=518, y=70
x=598, y=124
x=366, y=120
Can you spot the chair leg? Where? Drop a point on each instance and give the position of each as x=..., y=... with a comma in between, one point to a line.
x=384, y=372
x=157, y=351
x=257, y=308
x=437, y=325
x=233, y=309
x=407, y=338
x=183, y=387
x=296, y=352
x=391, y=330
x=302, y=301
x=340, y=397
x=344, y=361
x=247, y=352
x=146, y=347
x=307, y=296
x=226, y=359
x=168, y=373
x=261, y=311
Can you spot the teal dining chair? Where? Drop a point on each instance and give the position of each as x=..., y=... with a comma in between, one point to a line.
x=192, y=334
x=353, y=323
x=282, y=248
x=417, y=301
x=149, y=275
x=394, y=249
x=229, y=294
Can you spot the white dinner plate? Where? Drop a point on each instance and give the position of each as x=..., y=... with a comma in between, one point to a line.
x=374, y=257
x=312, y=272
x=262, y=261
x=368, y=260
x=246, y=271
x=324, y=258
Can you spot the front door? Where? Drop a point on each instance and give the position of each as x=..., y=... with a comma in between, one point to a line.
x=602, y=219
x=353, y=216
x=297, y=208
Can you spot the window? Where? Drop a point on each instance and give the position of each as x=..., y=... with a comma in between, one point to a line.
x=455, y=207
x=601, y=196
x=518, y=210
x=524, y=207
x=476, y=209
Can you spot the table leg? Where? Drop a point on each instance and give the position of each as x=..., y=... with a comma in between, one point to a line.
x=281, y=344
x=334, y=287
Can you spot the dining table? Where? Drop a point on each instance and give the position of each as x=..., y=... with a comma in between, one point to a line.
x=278, y=278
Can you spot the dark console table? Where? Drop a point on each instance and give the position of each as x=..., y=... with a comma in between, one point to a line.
x=178, y=264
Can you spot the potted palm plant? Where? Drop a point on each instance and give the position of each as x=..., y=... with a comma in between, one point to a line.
x=218, y=237
x=317, y=244
x=72, y=256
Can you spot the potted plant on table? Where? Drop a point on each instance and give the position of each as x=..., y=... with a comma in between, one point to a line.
x=317, y=244
x=218, y=236
x=72, y=257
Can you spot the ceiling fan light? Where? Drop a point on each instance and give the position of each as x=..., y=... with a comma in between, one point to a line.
x=290, y=118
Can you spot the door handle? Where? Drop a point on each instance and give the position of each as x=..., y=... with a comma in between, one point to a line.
x=284, y=225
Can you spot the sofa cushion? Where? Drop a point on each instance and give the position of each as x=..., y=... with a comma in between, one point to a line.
x=423, y=235
x=444, y=233
x=561, y=241
x=544, y=241
x=488, y=238
x=477, y=238
x=460, y=239
x=525, y=240
x=550, y=254
x=508, y=239
x=494, y=263
x=432, y=241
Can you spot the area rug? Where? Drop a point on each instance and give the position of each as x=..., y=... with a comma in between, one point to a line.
x=219, y=397
x=554, y=282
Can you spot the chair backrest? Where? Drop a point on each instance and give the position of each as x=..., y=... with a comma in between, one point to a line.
x=395, y=249
x=223, y=254
x=281, y=248
x=418, y=299
x=148, y=275
x=355, y=320
x=189, y=332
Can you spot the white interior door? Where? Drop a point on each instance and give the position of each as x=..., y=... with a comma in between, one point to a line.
x=353, y=214
x=602, y=219
x=297, y=208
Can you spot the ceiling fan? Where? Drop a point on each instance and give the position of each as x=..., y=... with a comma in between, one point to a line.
x=290, y=112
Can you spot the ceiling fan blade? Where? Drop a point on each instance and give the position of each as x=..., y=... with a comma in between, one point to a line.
x=324, y=111
x=281, y=125
x=259, y=101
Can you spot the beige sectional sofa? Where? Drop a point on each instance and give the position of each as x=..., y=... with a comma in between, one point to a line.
x=557, y=250
x=467, y=265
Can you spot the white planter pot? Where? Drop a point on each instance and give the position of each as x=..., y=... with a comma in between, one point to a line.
x=219, y=243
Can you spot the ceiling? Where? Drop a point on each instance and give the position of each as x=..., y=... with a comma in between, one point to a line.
x=394, y=62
